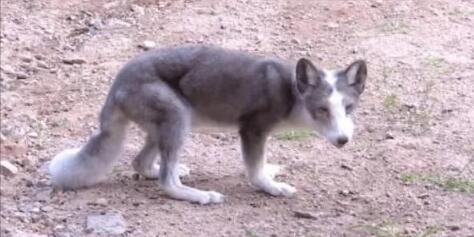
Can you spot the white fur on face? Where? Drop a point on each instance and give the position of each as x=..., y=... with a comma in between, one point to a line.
x=341, y=124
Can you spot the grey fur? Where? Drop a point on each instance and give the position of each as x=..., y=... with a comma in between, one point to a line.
x=166, y=90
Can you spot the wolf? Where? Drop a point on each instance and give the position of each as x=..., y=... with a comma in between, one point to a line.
x=169, y=91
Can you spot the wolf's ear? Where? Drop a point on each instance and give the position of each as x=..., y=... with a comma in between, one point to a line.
x=356, y=74
x=307, y=75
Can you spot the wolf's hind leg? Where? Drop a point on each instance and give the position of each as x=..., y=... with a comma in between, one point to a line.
x=166, y=120
x=146, y=164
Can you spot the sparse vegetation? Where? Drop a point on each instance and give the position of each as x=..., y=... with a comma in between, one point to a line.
x=389, y=230
x=435, y=65
x=448, y=183
x=395, y=26
x=294, y=135
x=391, y=102
x=250, y=233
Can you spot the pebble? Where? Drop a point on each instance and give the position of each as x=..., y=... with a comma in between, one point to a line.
x=147, y=45
x=135, y=176
x=346, y=167
x=46, y=208
x=71, y=61
x=106, y=224
x=35, y=210
x=43, y=65
x=8, y=169
x=26, y=58
x=295, y=41
x=389, y=136
x=33, y=135
x=304, y=215
x=21, y=75
x=39, y=57
x=333, y=25
x=345, y=193
x=137, y=9
x=454, y=227
x=102, y=202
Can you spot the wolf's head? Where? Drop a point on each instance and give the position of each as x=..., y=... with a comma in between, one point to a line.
x=330, y=97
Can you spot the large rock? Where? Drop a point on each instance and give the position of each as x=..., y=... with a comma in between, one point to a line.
x=107, y=224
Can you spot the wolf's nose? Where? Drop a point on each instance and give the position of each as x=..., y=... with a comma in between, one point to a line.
x=341, y=141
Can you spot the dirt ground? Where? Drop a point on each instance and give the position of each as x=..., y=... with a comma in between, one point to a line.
x=408, y=172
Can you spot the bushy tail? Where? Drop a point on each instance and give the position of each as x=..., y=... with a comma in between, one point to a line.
x=88, y=165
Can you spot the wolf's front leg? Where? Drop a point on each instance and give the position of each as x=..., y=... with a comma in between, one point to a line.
x=253, y=146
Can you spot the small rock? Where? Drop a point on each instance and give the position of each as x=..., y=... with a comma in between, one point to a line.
x=8, y=169
x=346, y=167
x=376, y=3
x=112, y=4
x=21, y=75
x=409, y=106
x=26, y=58
x=446, y=111
x=71, y=61
x=46, y=208
x=29, y=183
x=454, y=227
x=333, y=25
x=35, y=210
x=147, y=45
x=117, y=23
x=102, y=202
x=107, y=224
x=345, y=193
x=137, y=9
x=39, y=57
x=295, y=41
x=389, y=136
x=304, y=215
x=135, y=176
x=33, y=135
x=423, y=196
x=42, y=64
x=25, y=234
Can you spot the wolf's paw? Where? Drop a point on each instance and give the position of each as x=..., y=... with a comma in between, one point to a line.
x=209, y=197
x=268, y=185
x=193, y=195
x=282, y=189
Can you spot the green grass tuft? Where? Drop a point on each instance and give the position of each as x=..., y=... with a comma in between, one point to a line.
x=448, y=183
x=250, y=233
x=388, y=230
x=294, y=135
x=391, y=102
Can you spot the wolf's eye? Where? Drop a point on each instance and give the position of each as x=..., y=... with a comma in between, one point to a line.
x=323, y=110
x=349, y=109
